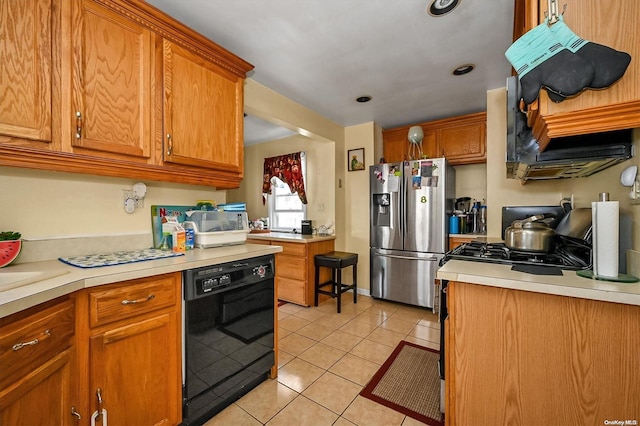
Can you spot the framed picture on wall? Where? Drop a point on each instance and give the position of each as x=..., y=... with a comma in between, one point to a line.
x=355, y=159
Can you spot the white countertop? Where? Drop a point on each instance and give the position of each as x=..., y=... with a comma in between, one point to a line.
x=290, y=237
x=66, y=279
x=569, y=284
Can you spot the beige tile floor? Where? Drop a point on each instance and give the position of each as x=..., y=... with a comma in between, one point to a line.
x=325, y=360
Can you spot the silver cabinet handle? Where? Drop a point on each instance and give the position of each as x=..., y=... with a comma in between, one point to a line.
x=169, y=144
x=78, y=125
x=101, y=416
x=18, y=346
x=133, y=302
x=75, y=413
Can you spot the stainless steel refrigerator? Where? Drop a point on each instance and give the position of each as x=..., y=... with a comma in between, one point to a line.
x=409, y=228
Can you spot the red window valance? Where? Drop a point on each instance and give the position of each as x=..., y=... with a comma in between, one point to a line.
x=287, y=168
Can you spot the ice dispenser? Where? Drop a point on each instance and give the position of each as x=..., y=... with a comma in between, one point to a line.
x=381, y=215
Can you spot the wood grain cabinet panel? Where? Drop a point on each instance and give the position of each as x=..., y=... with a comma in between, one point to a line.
x=25, y=72
x=118, y=88
x=113, y=303
x=295, y=269
x=456, y=241
x=464, y=143
x=610, y=23
x=203, y=112
x=519, y=357
x=111, y=83
x=134, y=354
x=135, y=367
x=38, y=370
x=461, y=140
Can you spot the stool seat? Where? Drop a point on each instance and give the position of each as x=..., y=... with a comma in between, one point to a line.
x=336, y=260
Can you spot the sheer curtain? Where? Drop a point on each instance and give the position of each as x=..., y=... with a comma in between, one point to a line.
x=287, y=168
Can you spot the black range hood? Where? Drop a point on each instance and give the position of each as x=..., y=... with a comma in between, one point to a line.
x=567, y=157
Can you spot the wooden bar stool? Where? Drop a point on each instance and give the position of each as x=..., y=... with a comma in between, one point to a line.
x=336, y=260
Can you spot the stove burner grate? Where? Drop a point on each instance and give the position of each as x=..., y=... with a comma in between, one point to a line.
x=568, y=253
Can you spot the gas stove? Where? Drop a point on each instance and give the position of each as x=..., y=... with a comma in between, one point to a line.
x=567, y=253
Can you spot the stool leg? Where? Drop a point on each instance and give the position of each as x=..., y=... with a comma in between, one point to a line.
x=315, y=298
x=355, y=283
x=339, y=288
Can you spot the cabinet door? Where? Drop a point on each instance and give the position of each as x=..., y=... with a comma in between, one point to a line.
x=203, y=112
x=25, y=72
x=610, y=23
x=111, y=78
x=43, y=396
x=395, y=145
x=137, y=368
x=463, y=144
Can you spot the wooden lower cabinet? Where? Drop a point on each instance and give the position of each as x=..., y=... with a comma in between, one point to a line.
x=134, y=352
x=38, y=381
x=518, y=357
x=456, y=241
x=295, y=268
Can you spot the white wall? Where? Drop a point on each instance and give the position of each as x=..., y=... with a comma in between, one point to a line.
x=42, y=204
x=356, y=188
x=471, y=181
x=268, y=105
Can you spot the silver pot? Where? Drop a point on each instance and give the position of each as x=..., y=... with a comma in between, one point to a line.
x=531, y=235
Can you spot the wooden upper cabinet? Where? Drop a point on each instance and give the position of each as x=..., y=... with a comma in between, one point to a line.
x=95, y=87
x=397, y=148
x=610, y=23
x=461, y=140
x=395, y=145
x=25, y=72
x=203, y=112
x=111, y=83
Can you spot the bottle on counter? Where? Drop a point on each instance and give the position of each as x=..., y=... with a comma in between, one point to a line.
x=474, y=219
x=482, y=218
x=454, y=224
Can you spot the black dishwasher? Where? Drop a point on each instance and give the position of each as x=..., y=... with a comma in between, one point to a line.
x=228, y=334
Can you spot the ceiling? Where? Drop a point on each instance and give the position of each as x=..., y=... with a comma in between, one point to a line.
x=323, y=54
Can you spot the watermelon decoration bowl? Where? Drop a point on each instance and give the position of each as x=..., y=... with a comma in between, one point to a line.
x=10, y=246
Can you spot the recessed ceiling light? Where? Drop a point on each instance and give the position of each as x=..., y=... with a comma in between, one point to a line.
x=442, y=7
x=463, y=69
x=363, y=99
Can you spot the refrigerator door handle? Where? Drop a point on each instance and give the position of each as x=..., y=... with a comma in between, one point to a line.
x=405, y=186
x=395, y=256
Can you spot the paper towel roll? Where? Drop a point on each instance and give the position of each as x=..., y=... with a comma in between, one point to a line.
x=605, y=221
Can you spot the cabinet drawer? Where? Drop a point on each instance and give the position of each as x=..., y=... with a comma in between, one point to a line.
x=291, y=290
x=258, y=241
x=294, y=249
x=291, y=267
x=131, y=298
x=33, y=339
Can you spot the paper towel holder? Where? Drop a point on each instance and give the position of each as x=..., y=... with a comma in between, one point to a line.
x=630, y=178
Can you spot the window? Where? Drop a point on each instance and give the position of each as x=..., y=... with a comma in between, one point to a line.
x=286, y=211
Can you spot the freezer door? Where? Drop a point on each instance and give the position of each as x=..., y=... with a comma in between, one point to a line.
x=404, y=276
x=385, y=205
x=424, y=211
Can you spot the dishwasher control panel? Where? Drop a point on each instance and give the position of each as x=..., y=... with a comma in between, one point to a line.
x=212, y=279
